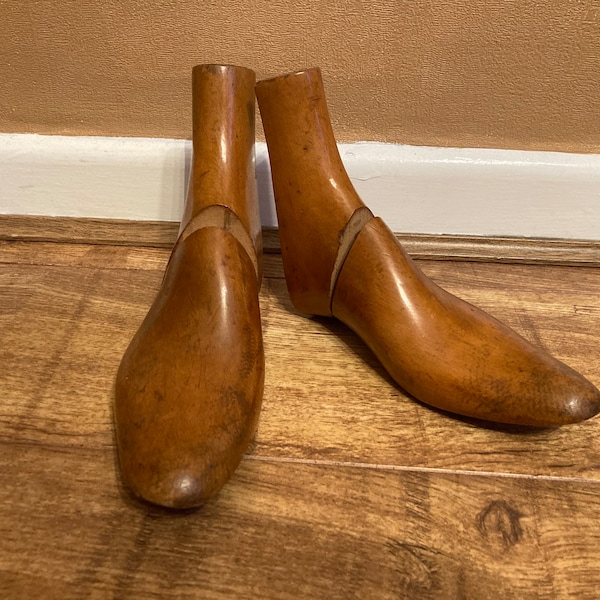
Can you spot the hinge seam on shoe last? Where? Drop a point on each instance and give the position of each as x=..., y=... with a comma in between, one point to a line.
x=222, y=217
x=355, y=224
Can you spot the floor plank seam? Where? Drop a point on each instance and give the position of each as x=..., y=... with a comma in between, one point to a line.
x=162, y=235
x=415, y=469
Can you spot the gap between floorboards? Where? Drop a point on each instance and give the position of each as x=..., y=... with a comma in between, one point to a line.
x=412, y=469
x=150, y=234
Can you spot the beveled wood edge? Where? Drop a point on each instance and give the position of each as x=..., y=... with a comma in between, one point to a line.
x=162, y=234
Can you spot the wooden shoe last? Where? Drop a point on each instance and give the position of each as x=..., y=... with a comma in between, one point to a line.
x=341, y=261
x=189, y=387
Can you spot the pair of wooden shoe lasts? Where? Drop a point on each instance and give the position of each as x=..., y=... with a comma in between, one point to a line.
x=190, y=385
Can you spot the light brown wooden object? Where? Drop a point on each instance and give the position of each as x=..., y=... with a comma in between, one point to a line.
x=309, y=180
x=223, y=146
x=189, y=387
x=340, y=261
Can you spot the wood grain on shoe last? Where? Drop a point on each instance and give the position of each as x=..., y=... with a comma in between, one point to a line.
x=189, y=388
x=223, y=146
x=446, y=352
x=314, y=197
x=340, y=261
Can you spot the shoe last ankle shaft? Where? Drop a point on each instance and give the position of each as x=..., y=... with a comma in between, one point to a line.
x=315, y=198
x=223, y=166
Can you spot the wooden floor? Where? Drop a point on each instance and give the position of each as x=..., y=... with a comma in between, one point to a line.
x=351, y=490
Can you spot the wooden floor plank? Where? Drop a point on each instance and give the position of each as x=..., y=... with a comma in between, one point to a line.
x=350, y=490
x=83, y=255
x=341, y=407
x=282, y=530
x=161, y=234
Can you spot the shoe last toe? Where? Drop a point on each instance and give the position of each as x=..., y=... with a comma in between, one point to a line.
x=189, y=388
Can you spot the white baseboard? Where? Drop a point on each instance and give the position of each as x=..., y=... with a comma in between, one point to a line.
x=415, y=189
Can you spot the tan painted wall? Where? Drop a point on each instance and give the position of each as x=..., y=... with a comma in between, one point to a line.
x=495, y=73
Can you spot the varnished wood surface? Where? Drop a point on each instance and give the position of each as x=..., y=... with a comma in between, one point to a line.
x=340, y=260
x=351, y=489
x=189, y=387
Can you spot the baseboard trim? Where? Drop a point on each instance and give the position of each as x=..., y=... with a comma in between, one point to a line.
x=162, y=234
x=460, y=191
